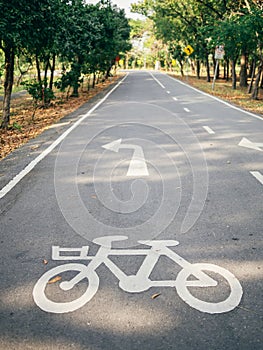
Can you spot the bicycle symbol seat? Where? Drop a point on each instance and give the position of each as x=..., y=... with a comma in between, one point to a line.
x=134, y=283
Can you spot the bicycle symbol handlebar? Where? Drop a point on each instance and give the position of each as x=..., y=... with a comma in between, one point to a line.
x=134, y=283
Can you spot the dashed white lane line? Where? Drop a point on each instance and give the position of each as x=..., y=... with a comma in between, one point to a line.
x=6, y=189
x=187, y=110
x=168, y=92
x=175, y=98
x=209, y=130
x=157, y=81
x=216, y=98
x=258, y=176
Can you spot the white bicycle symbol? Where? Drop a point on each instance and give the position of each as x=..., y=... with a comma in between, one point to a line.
x=135, y=283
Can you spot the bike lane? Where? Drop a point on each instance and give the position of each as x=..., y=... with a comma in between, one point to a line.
x=84, y=191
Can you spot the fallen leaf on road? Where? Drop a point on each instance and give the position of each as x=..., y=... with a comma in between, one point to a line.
x=156, y=295
x=45, y=262
x=94, y=197
x=55, y=279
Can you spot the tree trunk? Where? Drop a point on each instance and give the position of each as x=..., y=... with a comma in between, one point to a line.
x=251, y=66
x=38, y=70
x=252, y=75
x=208, y=76
x=234, y=75
x=94, y=80
x=108, y=72
x=181, y=68
x=227, y=70
x=22, y=73
x=243, y=71
x=198, y=69
x=98, y=79
x=53, y=66
x=258, y=77
x=8, y=84
x=46, y=71
x=76, y=70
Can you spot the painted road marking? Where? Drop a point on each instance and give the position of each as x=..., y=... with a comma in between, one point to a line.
x=138, y=166
x=187, y=110
x=216, y=98
x=258, y=176
x=175, y=98
x=248, y=144
x=209, y=130
x=157, y=81
x=168, y=92
x=139, y=282
x=6, y=189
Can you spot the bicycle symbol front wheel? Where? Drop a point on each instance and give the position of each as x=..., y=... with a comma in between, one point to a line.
x=228, y=304
x=44, y=302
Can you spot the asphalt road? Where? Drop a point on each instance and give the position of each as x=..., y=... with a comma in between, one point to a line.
x=136, y=223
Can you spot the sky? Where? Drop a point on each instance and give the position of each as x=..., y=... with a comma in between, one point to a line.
x=123, y=4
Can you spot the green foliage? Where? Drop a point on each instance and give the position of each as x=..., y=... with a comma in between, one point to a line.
x=206, y=23
x=39, y=92
x=17, y=126
x=86, y=36
x=69, y=80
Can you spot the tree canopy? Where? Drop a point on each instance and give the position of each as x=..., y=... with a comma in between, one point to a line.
x=204, y=24
x=83, y=36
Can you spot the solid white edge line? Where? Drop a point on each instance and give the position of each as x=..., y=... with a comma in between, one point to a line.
x=209, y=130
x=258, y=176
x=216, y=98
x=11, y=184
x=157, y=81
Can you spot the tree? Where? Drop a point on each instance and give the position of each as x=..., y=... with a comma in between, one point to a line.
x=91, y=38
x=24, y=24
x=42, y=42
x=11, y=32
x=180, y=23
x=205, y=23
x=81, y=34
x=77, y=38
x=113, y=39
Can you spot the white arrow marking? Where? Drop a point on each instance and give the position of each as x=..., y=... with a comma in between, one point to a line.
x=138, y=166
x=113, y=146
x=248, y=144
x=257, y=175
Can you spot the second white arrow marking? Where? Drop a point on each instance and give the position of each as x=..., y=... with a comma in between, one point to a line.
x=258, y=176
x=248, y=144
x=138, y=166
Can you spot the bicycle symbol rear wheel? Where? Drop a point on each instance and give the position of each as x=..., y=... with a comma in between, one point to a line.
x=183, y=284
x=41, y=299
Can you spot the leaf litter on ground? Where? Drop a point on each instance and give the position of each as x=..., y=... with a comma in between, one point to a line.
x=22, y=127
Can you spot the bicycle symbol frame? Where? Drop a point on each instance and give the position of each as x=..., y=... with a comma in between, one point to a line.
x=134, y=283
